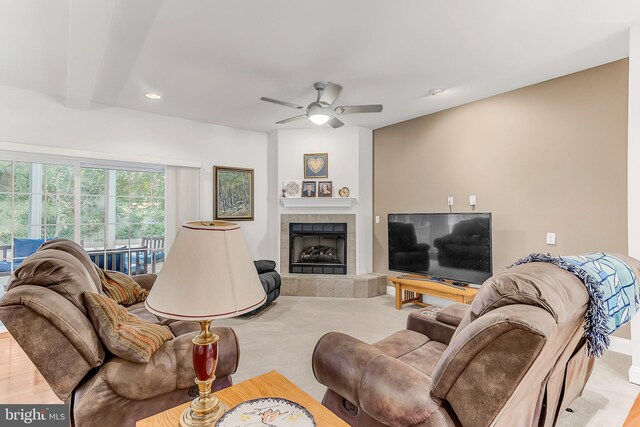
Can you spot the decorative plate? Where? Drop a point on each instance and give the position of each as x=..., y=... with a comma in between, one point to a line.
x=344, y=192
x=292, y=188
x=267, y=412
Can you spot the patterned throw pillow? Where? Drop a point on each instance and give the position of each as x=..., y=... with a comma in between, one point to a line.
x=121, y=288
x=123, y=333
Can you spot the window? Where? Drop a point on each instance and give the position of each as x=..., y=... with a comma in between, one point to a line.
x=36, y=204
x=122, y=219
x=117, y=215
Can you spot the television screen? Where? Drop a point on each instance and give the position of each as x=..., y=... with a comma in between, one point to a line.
x=454, y=246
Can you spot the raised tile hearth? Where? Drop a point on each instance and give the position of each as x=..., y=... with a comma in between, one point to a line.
x=360, y=286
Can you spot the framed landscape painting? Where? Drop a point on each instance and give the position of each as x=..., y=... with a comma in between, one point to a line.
x=233, y=193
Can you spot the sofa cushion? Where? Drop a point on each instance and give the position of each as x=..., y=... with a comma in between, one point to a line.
x=141, y=311
x=400, y=343
x=121, y=288
x=270, y=281
x=425, y=358
x=58, y=271
x=123, y=333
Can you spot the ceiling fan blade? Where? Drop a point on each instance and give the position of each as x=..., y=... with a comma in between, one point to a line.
x=285, y=103
x=334, y=122
x=290, y=119
x=330, y=93
x=351, y=109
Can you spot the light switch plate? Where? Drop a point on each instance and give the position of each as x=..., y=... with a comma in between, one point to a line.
x=377, y=219
x=450, y=200
x=472, y=200
x=551, y=238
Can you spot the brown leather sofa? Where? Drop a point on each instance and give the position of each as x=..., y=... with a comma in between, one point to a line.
x=43, y=309
x=515, y=357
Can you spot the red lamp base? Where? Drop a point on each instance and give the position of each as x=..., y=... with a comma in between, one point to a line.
x=205, y=409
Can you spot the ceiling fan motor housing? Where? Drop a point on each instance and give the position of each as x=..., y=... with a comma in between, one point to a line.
x=319, y=108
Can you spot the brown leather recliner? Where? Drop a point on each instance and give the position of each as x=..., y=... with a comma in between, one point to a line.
x=43, y=309
x=515, y=357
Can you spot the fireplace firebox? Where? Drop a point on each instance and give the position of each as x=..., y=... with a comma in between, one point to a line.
x=318, y=248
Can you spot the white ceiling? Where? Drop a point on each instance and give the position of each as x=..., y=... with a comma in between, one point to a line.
x=212, y=60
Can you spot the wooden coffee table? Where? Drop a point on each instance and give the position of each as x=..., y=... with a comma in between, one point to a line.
x=271, y=384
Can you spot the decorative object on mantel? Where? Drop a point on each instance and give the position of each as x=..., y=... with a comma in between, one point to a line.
x=316, y=165
x=344, y=192
x=291, y=188
x=317, y=202
x=233, y=193
x=267, y=411
x=308, y=189
x=325, y=189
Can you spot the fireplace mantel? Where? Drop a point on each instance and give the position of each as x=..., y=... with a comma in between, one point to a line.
x=318, y=202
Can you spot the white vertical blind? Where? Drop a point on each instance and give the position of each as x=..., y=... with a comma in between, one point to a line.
x=182, y=199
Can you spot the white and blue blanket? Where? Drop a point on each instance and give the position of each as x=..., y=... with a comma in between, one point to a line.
x=612, y=288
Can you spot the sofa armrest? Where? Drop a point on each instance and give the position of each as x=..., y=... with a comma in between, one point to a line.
x=339, y=362
x=170, y=368
x=435, y=330
x=146, y=281
x=453, y=314
x=395, y=393
x=264, y=266
x=385, y=388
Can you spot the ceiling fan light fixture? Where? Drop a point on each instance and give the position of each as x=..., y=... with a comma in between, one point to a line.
x=319, y=119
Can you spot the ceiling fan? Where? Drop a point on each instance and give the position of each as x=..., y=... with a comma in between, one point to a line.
x=321, y=111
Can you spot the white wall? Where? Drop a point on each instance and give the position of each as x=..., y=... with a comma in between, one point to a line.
x=633, y=182
x=32, y=118
x=350, y=164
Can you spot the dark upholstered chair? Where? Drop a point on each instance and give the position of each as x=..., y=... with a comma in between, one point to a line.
x=405, y=253
x=43, y=309
x=271, y=282
x=515, y=357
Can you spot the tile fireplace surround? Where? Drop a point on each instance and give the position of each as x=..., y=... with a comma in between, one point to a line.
x=327, y=285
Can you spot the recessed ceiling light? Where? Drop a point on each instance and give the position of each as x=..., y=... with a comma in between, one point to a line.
x=152, y=95
x=436, y=91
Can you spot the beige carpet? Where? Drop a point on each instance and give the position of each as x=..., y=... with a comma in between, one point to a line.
x=283, y=336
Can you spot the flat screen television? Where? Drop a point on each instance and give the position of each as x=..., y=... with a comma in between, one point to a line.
x=453, y=246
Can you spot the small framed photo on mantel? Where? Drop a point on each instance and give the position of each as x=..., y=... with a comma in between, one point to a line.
x=325, y=189
x=309, y=188
x=316, y=165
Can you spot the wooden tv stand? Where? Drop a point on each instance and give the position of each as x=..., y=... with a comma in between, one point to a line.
x=409, y=289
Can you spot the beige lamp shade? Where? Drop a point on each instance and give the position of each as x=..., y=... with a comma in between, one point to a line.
x=208, y=274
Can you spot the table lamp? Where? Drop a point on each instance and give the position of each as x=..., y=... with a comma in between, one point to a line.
x=208, y=274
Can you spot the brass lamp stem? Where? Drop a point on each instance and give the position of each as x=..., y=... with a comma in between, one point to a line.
x=205, y=409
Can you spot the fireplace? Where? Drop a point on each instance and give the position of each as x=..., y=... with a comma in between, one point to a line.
x=318, y=248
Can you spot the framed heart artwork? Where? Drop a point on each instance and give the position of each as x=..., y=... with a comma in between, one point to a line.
x=316, y=165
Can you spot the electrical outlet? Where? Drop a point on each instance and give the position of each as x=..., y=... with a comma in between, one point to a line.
x=472, y=200
x=450, y=200
x=377, y=219
x=551, y=238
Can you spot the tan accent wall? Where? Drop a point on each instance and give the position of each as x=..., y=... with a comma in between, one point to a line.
x=551, y=157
